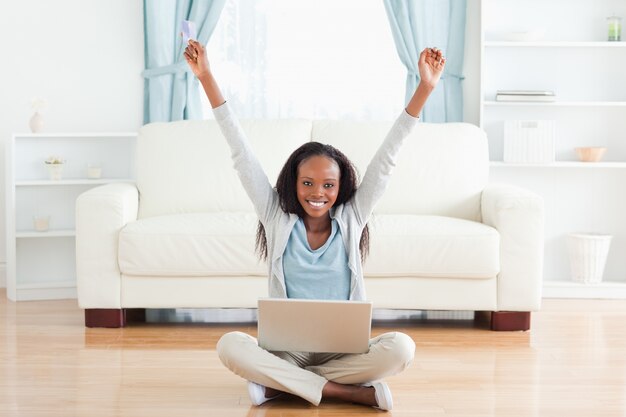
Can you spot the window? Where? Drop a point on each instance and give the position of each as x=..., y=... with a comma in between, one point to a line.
x=318, y=59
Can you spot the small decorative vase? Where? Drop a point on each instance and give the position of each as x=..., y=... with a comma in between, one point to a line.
x=41, y=223
x=615, y=28
x=36, y=122
x=55, y=171
x=94, y=172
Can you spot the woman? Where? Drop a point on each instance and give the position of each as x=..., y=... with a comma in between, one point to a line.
x=313, y=231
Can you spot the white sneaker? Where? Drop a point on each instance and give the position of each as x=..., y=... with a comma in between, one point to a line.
x=257, y=393
x=383, y=395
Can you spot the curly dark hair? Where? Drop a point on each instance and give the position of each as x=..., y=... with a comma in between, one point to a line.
x=287, y=195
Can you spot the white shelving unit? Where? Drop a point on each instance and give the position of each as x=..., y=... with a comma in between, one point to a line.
x=41, y=265
x=570, y=55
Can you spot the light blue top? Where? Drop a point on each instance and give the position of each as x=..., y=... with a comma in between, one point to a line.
x=320, y=274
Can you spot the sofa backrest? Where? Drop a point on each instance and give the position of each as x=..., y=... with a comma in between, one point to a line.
x=441, y=170
x=186, y=167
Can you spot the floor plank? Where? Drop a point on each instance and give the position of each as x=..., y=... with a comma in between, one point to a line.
x=572, y=363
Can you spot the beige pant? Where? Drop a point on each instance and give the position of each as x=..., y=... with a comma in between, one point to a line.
x=305, y=374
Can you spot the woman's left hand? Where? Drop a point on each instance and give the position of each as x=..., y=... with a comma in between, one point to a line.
x=431, y=64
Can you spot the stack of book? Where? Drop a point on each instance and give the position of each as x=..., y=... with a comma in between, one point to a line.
x=524, y=95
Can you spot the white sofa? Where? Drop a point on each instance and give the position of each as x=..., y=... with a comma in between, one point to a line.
x=183, y=235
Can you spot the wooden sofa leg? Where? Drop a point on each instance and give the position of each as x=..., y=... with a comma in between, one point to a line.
x=510, y=320
x=105, y=317
x=113, y=317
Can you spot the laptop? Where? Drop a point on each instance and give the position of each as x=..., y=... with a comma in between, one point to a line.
x=297, y=325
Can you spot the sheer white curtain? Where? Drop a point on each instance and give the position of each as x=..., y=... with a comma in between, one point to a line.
x=316, y=59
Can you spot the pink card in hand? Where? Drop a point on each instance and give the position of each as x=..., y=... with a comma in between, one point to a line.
x=189, y=31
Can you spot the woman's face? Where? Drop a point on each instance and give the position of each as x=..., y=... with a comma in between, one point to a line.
x=318, y=185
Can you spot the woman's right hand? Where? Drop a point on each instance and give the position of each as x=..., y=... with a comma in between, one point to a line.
x=195, y=55
x=431, y=65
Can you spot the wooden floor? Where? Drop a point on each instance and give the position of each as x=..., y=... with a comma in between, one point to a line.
x=572, y=363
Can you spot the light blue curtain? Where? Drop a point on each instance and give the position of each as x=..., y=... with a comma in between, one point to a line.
x=170, y=88
x=417, y=24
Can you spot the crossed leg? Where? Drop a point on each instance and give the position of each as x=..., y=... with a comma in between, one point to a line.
x=313, y=375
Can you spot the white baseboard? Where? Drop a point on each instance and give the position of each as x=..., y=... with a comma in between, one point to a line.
x=49, y=291
x=551, y=289
x=570, y=289
x=3, y=275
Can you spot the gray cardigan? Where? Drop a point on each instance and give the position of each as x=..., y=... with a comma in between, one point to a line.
x=351, y=217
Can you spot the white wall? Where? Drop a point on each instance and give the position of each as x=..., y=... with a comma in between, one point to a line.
x=84, y=56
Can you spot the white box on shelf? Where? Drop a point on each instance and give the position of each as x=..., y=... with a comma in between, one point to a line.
x=529, y=141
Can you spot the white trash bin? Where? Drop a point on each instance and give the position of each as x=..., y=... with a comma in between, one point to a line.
x=588, y=253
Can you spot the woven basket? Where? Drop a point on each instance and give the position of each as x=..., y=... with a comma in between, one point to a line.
x=588, y=253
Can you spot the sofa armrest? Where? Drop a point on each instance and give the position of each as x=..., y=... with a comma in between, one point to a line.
x=518, y=215
x=101, y=213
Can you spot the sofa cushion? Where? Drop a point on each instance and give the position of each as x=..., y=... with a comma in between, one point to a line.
x=193, y=244
x=186, y=166
x=222, y=244
x=431, y=246
x=440, y=170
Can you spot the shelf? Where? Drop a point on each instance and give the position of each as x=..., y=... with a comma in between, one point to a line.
x=554, y=44
x=78, y=181
x=85, y=135
x=49, y=233
x=571, y=289
x=561, y=164
x=38, y=286
x=557, y=103
x=42, y=265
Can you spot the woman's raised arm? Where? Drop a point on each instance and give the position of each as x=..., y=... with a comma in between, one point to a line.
x=195, y=54
x=431, y=64
x=251, y=173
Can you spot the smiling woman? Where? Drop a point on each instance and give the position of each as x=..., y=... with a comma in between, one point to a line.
x=312, y=229
x=282, y=59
